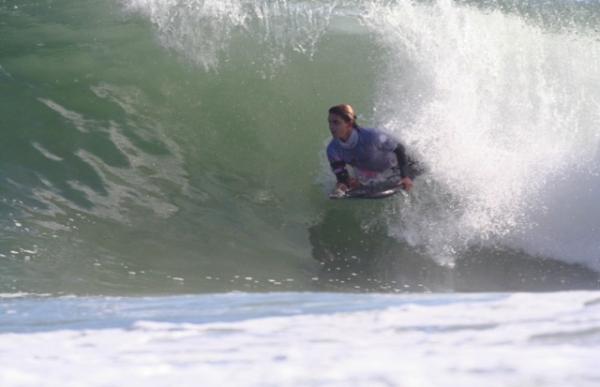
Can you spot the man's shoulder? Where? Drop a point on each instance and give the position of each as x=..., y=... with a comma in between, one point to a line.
x=331, y=144
x=333, y=147
x=369, y=131
x=373, y=135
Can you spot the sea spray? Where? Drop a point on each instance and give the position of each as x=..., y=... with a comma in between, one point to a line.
x=504, y=112
x=203, y=30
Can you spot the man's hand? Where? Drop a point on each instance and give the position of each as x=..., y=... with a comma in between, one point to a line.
x=352, y=183
x=406, y=183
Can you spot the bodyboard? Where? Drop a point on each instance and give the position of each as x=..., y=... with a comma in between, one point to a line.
x=371, y=191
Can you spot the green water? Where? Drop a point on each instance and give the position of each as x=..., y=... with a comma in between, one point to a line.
x=142, y=154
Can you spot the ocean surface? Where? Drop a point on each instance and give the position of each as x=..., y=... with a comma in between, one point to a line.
x=163, y=193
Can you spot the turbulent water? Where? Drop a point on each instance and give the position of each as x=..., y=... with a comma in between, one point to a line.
x=303, y=339
x=151, y=148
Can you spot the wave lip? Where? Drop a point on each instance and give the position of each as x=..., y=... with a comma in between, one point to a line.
x=203, y=30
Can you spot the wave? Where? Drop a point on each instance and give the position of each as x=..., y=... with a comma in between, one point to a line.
x=168, y=146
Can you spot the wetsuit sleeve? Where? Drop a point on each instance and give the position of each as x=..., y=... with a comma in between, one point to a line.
x=402, y=160
x=338, y=167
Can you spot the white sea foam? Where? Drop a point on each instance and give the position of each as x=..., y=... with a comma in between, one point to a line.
x=312, y=340
x=504, y=112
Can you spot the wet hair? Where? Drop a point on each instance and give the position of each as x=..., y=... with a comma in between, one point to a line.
x=346, y=112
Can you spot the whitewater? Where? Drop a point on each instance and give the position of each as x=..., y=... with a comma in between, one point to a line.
x=304, y=339
x=163, y=192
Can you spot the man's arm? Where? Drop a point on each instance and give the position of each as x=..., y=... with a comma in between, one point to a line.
x=344, y=181
x=403, y=167
x=402, y=160
x=340, y=171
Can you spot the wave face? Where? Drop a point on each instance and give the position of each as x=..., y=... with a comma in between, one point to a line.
x=174, y=146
